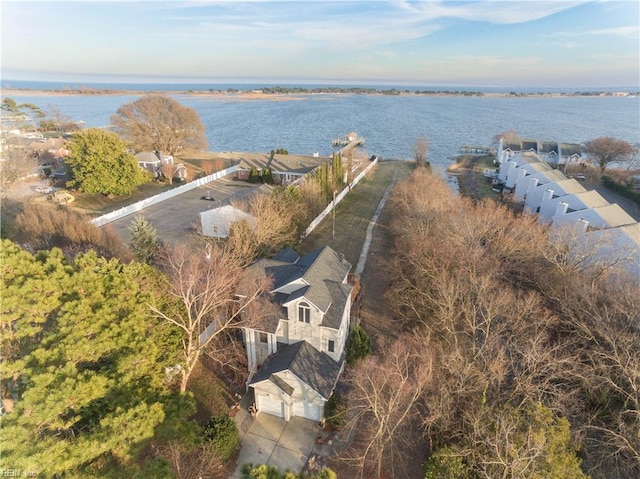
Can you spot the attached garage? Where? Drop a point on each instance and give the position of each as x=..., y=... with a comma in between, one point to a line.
x=308, y=410
x=295, y=381
x=270, y=405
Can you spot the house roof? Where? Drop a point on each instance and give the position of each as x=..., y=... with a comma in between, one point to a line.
x=223, y=216
x=301, y=164
x=569, y=149
x=320, y=268
x=319, y=276
x=547, y=146
x=340, y=294
x=147, y=157
x=314, y=368
x=567, y=187
x=537, y=167
x=591, y=199
x=613, y=216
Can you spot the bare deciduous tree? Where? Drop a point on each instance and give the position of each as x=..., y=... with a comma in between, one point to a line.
x=18, y=163
x=420, y=149
x=383, y=403
x=160, y=123
x=274, y=226
x=168, y=171
x=209, y=298
x=606, y=150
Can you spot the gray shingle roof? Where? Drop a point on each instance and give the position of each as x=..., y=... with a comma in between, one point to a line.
x=313, y=367
x=340, y=294
x=314, y=268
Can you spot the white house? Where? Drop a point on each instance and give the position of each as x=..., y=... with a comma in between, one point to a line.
x=296, y=357
x=524, y=176
x=558, y=186
x=153, y=161
x=588, y=219
x=553, y=205
x=217, y=222
x=620, y=245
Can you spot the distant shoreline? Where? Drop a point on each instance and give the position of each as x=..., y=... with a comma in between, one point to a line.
x=285, y=94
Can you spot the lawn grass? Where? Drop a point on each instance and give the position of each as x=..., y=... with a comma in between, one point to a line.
x=354, y=213
x=213, y=396
x=99, y=204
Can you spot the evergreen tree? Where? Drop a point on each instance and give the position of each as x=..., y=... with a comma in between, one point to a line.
x=100, y=163
x=267, y=177
x=144, y=240
x=253, y=175
x=86, y=362
x=358, y=345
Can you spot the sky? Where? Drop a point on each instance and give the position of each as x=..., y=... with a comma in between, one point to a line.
x=515, y=43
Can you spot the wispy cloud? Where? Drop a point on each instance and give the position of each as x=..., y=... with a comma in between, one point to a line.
x=632, y=32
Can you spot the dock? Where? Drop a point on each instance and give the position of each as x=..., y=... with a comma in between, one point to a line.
x=348, y=142
x=479, y=150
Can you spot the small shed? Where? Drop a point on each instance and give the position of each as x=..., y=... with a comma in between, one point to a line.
x=217, y=222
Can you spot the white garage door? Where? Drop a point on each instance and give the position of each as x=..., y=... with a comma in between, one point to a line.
x=271, y=406
x=310, y=411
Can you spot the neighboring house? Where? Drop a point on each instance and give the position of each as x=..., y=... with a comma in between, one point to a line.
x=570, y=154
x=540, y=189
x=217, y=222
x=525, y=175
x=285, y=169
x=153, y=161
x=295, y=357
x=593, y=218
x=620, y=245
x=512, y=164
x=553, y=205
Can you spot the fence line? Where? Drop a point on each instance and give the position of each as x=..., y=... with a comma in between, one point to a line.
x=337, y=200
x=165, y=195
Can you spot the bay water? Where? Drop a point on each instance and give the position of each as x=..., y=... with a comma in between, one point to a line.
x=305, y=124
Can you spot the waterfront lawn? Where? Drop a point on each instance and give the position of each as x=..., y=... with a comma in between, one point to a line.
x=354, y=212
x=98, y=204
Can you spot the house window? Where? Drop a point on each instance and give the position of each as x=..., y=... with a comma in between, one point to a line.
x=263, y=338
x=304, y=313
x=331, y=347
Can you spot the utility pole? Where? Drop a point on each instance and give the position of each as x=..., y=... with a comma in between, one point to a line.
x=333, y=236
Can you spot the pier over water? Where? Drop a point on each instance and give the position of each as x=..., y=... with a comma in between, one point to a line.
x=348, y=142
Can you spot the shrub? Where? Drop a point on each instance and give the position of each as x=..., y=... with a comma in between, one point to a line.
x=358, y=345
x=624, y=190
x=334, y=411
x=253, y=175
x=222, y=433
x=445, y=464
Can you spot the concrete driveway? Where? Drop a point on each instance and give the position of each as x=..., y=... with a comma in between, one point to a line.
x=267, y=439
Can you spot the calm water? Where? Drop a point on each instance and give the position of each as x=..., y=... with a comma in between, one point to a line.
x=390, y=124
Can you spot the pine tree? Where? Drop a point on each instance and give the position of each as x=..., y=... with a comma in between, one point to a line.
x=144, y=240
x=253, y=175
x=86, y=362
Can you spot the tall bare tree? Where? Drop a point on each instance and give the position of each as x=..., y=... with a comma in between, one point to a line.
x=606, y=150
x=383, y=404
x=209, y=298
x=18, y=163
x=160, y=123
x=420, y=148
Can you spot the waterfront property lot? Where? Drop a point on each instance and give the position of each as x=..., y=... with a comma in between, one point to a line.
x=174, y=218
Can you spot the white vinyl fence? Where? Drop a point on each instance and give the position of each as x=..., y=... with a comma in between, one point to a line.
x=337, y=200
x=165, y=195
